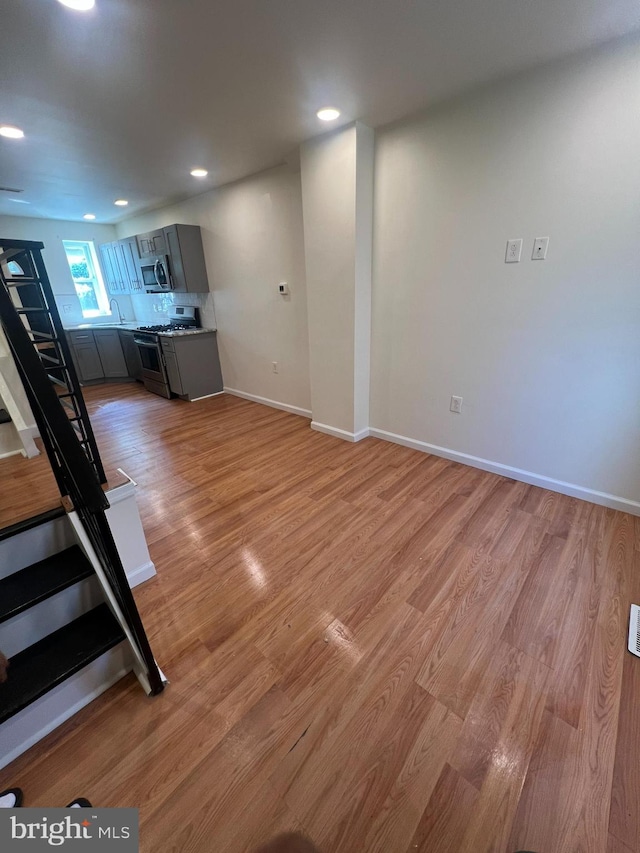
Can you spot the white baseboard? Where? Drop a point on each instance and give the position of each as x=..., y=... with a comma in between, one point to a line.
x=9, y=453
x=275, y=404
x=206, y=396
x=340, y=433
x=570, y=489
x=141, y=574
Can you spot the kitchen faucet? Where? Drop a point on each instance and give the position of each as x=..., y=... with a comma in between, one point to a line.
x=120, y=317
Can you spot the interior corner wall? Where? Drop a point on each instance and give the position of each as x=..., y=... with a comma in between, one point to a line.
x=328, y=167
x=365, y=153
x=252, y=237
x=546, y=354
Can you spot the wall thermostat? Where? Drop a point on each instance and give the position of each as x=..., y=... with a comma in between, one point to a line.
x=283, y=288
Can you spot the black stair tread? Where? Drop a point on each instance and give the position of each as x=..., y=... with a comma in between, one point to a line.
x=5, y=417
x=31, y=522
x=29, y=586
x=41, y=667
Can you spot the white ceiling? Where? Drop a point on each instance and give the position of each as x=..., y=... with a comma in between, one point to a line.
x=122, y=101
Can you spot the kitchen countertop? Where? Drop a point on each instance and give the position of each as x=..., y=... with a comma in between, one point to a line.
x=180, y=332
x=93, y=326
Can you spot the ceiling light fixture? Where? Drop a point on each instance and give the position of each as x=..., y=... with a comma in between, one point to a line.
x=328, y=114
x=11, y=132
x=79, y=5
x=89, y=216
x=121, y=202
x=199, y=173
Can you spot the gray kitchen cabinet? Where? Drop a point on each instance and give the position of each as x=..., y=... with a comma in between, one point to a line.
x=85, y=355
x=151, y=244
x=88, y=361
x=193, y=364
x=188, y=269
x=131, y=354
x=129, y=250
x=120, y=267
x=110, y=269
x=114, y=268
x=173, y=372
x=110, y=352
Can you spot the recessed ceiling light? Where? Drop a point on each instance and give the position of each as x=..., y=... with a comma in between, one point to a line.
x=89, y=216
x=121, y=202
x=328, y=114
x=11, y=132
x=199, y=173
x=79, y=5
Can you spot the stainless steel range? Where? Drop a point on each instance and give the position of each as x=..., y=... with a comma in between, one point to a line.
x=183, y=320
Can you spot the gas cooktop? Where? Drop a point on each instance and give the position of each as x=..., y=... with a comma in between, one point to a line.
x=166, y=327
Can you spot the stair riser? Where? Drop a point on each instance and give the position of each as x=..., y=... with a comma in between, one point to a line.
x=34, y=624
x=41, y=717
x=33, y=545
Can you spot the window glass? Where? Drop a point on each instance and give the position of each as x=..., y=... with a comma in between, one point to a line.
x=87, y=278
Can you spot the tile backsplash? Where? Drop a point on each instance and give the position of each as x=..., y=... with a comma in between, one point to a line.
x=71, y=311
x=145, y=308
x=152, y=308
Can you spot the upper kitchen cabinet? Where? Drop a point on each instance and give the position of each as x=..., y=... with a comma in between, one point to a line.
x=151, y=244
x=111, y=269
x=131, y=263
x=120, y=267
x=184, y=247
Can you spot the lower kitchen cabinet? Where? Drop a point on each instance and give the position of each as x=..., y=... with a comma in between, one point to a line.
x=193, y=364
x=110, y=352
x=88, y=362
x=131, y=354
x=97, y=354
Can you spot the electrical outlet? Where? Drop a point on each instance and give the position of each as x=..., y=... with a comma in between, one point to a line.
x=456, y=405
x=283, y=288
x=274, y=366
x=540, y=246
x=67, y=309
x=514, y=250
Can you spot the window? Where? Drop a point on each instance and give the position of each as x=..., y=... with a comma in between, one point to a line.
x=15, y=268
x=87, y=278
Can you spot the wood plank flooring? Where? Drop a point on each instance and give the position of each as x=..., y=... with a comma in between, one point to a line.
x=379, y=648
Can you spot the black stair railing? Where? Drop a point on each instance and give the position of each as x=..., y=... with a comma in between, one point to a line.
x=75, y=463
x=25, y=274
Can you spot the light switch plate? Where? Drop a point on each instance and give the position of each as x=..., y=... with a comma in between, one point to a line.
x=514, y=251
x=540, y=246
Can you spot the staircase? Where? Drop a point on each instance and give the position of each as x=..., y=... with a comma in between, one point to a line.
x=68, y=621
x=30, y=299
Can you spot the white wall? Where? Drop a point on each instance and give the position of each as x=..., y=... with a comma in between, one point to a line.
x=546, y=354
x=52, y=232
x=252, y=236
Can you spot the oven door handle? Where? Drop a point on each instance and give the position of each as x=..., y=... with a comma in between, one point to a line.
x=145, y=344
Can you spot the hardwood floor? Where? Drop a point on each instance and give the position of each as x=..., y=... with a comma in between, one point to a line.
x=379, y=648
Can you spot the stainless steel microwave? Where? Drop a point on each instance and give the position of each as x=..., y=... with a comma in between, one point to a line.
x=156, y=274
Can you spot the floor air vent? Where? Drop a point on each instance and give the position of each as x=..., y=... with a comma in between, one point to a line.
x=634, y=630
